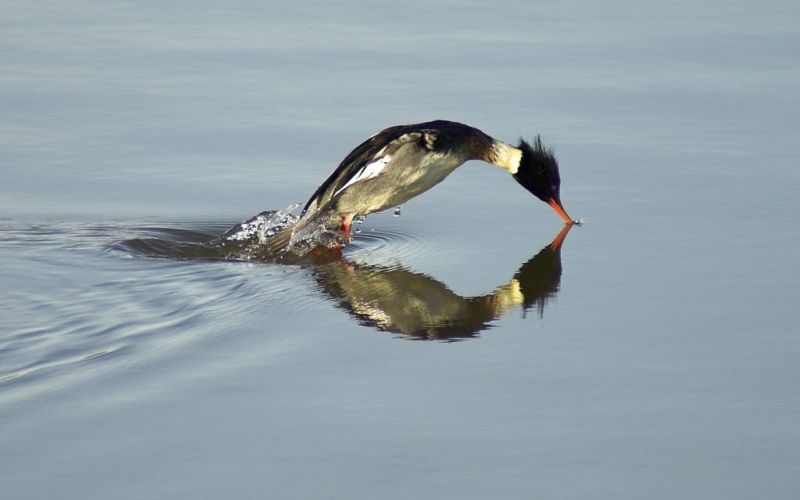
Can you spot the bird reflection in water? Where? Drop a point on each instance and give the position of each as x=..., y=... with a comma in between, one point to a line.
x=415, y=305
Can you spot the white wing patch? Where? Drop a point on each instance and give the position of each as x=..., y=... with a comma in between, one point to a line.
x=368, y=171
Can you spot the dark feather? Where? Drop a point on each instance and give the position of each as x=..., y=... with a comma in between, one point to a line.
x=435, y=135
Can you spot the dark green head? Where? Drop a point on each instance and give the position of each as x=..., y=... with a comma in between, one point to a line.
x=538, y=173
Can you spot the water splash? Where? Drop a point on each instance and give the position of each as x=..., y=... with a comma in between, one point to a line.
x=263, y=226
x=357, y=221
x=270, y=236
x=280, y=235
x=397, y=210
x=253, y=239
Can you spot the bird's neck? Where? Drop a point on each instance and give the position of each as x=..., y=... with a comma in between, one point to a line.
x=504, y=156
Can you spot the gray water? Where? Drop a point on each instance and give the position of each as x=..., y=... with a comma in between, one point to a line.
x=452, y=352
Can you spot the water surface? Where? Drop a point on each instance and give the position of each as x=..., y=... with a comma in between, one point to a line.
x=451, y=352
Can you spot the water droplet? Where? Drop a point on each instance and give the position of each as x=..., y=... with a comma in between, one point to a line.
x=397, y=210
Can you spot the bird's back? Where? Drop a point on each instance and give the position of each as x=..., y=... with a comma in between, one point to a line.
x=401, y=162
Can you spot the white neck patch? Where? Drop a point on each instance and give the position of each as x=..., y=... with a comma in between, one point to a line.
x=506, y=157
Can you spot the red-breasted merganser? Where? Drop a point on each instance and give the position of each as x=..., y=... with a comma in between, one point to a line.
x=401, y=162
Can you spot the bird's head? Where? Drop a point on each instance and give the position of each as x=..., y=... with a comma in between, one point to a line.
x=538, y=173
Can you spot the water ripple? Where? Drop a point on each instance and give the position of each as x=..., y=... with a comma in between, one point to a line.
x=84, y=300
x=79, y=304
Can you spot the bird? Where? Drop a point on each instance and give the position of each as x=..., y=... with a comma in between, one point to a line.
x=403, y=161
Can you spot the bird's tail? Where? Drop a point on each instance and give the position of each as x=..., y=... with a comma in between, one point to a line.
x=320, y=231
x=281, y=242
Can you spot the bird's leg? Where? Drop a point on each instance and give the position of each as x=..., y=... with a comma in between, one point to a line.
x=344, y=229
x=347, y=222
